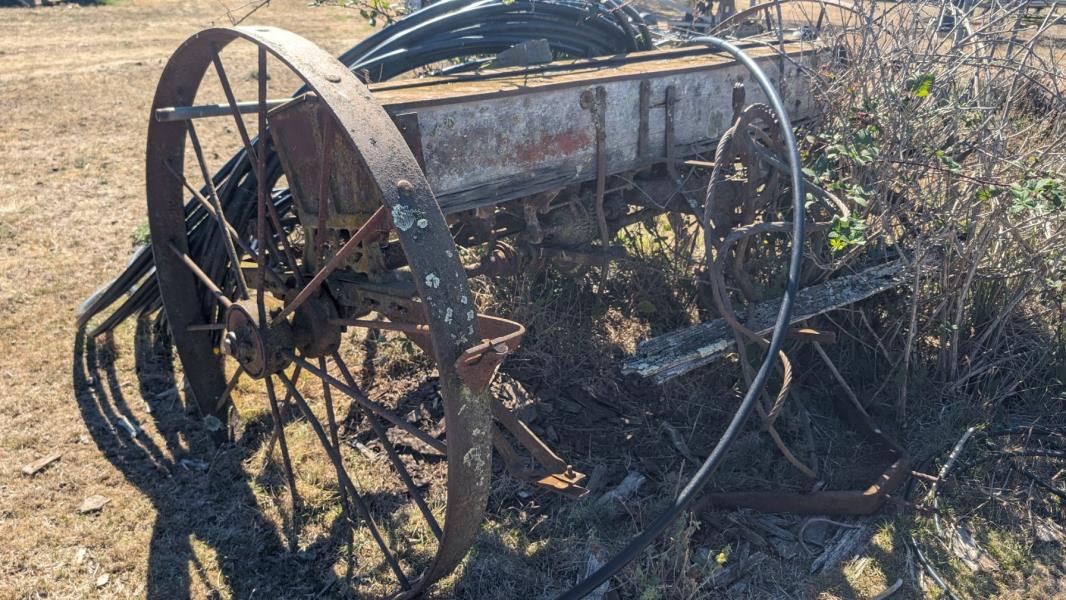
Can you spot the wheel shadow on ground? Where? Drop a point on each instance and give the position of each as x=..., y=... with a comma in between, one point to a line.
x=203, y=498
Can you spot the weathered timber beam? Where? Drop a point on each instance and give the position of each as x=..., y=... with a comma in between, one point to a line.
x=667, y=356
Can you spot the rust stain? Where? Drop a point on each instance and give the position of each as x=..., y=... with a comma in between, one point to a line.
x=550, y=144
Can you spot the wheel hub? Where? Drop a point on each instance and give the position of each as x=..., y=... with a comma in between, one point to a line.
x=260, y=350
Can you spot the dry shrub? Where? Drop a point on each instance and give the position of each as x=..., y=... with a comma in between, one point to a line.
x=945, y=131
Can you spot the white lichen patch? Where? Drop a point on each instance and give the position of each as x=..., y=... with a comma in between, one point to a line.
x=422, y=223
x=432, y=281
x=448, y=316
x=469, y=315
x=403, y=217
x=463, y=300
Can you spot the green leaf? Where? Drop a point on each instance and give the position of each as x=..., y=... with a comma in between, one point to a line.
x=948, y=162
x=847, y=232
x=919, y=85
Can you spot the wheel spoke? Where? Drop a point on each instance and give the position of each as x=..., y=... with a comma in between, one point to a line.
x=236, y=110
x=204, y=279
x=345, y=481
x=331, y=420
x=390, y=450
x=370, y=405
x=263, y=195
x=219, y=215
x=284, y=404
x=232, y=231
x=279, y=429
x=225, y=397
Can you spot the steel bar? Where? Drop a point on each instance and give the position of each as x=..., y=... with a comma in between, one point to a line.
x=331, y=421
x=234, y=109
x=382, y=325
x=279, y=430
x=202, y=111
x=230, y=386
x=261, y=191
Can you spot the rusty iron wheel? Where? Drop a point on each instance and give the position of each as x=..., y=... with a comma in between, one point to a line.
x=236, y=307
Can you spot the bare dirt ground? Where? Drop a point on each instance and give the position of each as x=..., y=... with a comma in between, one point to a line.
x=76, y=84
x=75, y=87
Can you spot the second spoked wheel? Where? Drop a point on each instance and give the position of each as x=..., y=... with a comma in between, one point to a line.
x=259, y=302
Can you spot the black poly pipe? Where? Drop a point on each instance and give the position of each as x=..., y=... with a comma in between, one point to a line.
x=784, y=314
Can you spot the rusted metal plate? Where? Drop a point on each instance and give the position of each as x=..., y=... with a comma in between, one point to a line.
x=491, y=139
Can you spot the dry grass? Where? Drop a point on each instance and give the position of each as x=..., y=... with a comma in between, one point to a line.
x=76, y=85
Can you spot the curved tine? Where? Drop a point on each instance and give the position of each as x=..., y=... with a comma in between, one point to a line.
x=199, y=273
x=342, y=476
x=279, y=429
x=223, y=226
x=370, y=405
x=331, y=419
x=284, y=403
x=390, y=450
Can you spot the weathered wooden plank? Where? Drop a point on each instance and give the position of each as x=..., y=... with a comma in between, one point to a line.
x=667, y=356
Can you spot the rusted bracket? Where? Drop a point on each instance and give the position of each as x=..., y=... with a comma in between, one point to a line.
x=595, y=101
x=478, y=364
x=670, y=134
x=642, y=127
x=555, y=473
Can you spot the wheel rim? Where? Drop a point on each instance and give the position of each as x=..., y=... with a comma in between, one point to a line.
x=191, y=301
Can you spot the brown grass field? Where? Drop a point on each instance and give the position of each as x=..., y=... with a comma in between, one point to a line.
x=75, y=89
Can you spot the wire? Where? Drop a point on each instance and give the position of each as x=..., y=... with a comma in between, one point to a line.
x=784, y=314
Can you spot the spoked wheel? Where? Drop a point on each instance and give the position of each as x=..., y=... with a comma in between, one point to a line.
x=367, y=237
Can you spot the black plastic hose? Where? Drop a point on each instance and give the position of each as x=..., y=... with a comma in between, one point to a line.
x=784, y=314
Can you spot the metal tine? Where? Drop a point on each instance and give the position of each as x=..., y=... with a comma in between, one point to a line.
x=390, y=450
x=345, y=481
x=370, y=405
x=216, y=206
x=279, y=429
